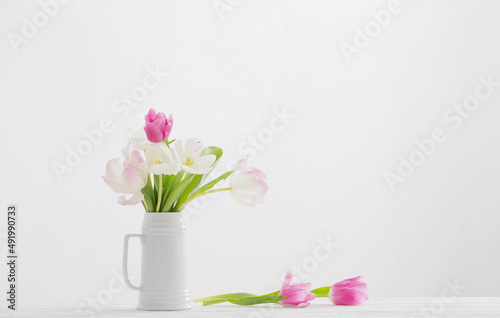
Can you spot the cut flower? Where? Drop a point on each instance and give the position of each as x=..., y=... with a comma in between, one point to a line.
x=248, y=185
x=128, y=177
x=160, y=160
x=349, y=292
x=298, y=295
x=189, y=156
x=158, y=126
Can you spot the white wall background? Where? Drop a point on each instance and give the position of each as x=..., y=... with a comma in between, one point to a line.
x=226, y=78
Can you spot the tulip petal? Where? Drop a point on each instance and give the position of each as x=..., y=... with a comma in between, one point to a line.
x=153, y=133
x=240, y=165
x=287, y=280
x=349, y=292
x=202, y=165
x=158, y=126
x=193, y=147
x=249, y=186
x=179, y=149
x=165, y=168
x=298, y=295
x=129, y=177
x=136, y=198
x=114, y=170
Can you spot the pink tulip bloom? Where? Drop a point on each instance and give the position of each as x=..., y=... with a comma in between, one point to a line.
x=349, y=292
x=128, y=177
x=248, y=185
x=240, y=164
x=298, y=295
x=158, y=126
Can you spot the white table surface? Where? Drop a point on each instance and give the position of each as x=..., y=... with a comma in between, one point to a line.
x=377, y=307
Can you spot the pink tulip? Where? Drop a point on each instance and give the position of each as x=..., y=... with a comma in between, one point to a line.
x=349, y=292
x=248, y=184
x=128, y=177
x=158, y=126
x=298, y=295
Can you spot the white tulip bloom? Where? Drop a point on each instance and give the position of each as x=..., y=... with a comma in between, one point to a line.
x=248, y=185
x=160, y=159
x=189, y=156
x=128, y=177
x=138, y=138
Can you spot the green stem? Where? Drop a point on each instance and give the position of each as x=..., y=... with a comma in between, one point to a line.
x=166, y=189
x=223, y=296
x=242, y=299
x=200, y=195
x=145, y=204
x=160, y=188
x=322, y=291
x=177, y=189
x=275, y=293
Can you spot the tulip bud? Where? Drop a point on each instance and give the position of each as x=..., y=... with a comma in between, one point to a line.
x=349, y=292
x=158, y=126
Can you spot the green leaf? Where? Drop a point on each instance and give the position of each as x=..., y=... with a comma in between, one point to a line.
x=213, y=302
x=212, y=150
x=175, y=193
x=244, y=301
x=167, y=142
x=167, y=182
x=192, y=186
x=166, y=178
x=156, y=179
x=172, y=182
x=199, y=179
x=257, y=300
x=223, y=296
x=322, y=291
x=149, y=195
x=212, y=183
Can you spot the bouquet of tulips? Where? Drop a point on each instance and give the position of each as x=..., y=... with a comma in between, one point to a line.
x=165, y=175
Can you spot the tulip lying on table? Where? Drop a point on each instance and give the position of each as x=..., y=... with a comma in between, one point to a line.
x=349, y=292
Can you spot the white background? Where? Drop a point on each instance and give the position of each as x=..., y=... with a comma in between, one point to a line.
x=228, y=73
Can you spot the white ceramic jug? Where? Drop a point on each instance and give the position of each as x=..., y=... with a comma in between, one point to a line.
x=163, y=271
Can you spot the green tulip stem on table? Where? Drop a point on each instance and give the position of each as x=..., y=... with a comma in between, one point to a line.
x=242, y=299
x=246, y=299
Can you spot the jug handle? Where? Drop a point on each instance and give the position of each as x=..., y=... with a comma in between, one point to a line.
x=125, y=259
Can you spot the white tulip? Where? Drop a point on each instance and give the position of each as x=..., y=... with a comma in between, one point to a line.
x=248, y=185
x=128, y=177
x=138, y=138
x=189, y=156
x=160, y=159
